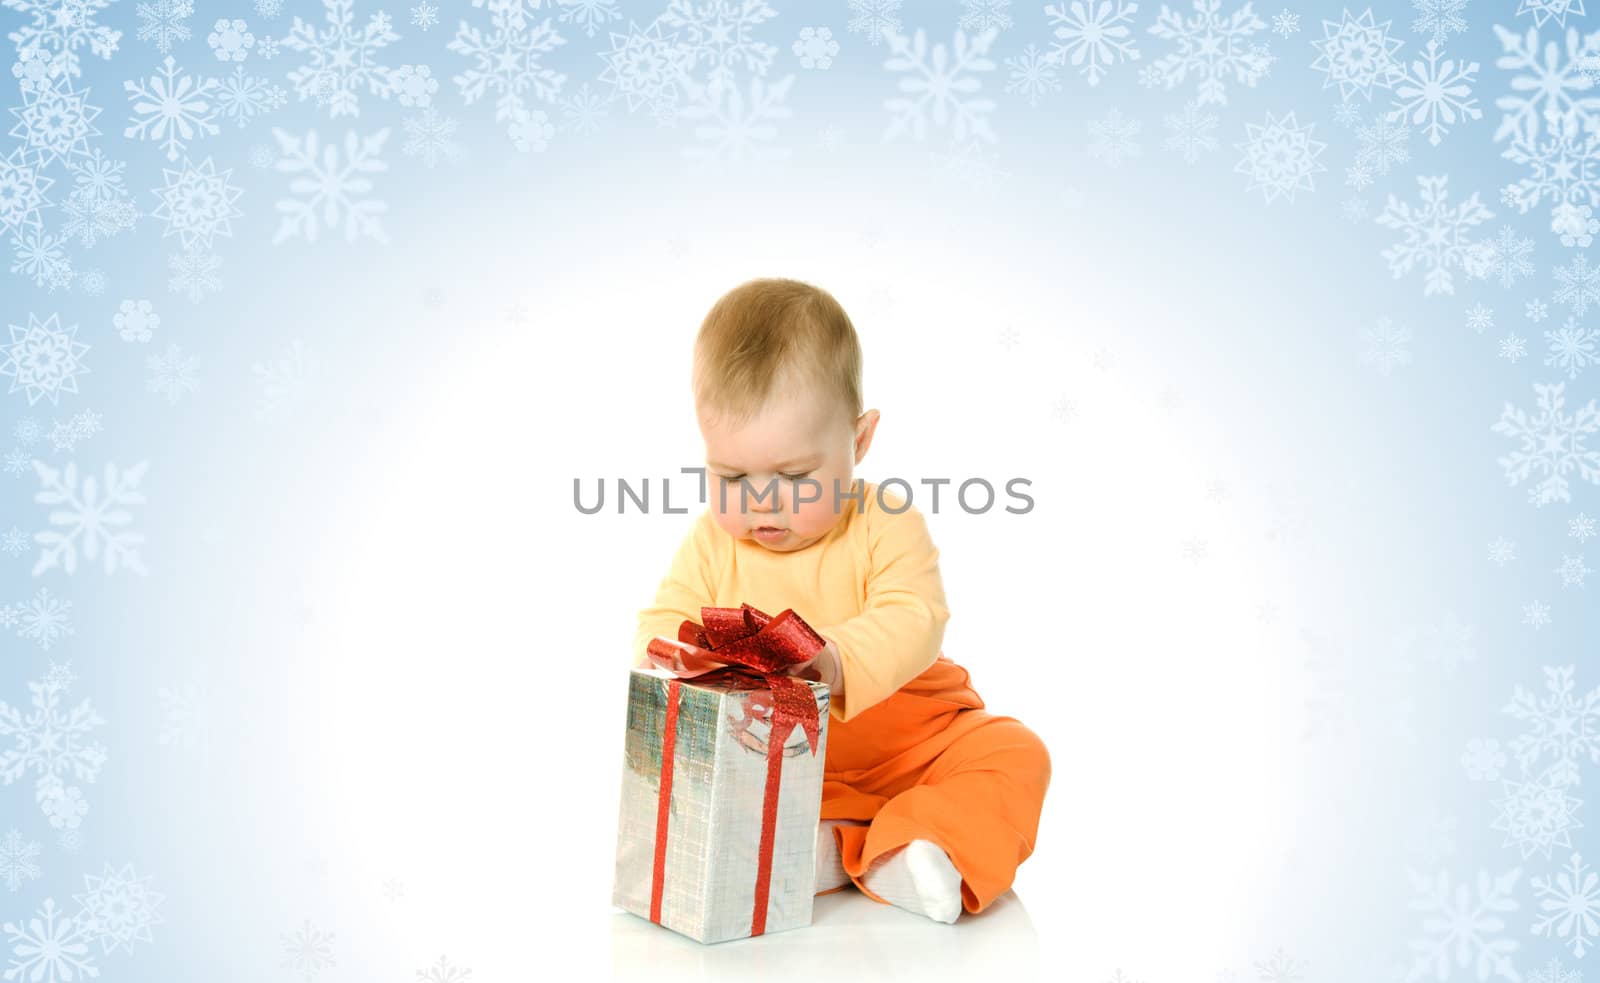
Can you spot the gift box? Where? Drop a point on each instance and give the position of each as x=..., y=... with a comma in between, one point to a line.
x=722, y=783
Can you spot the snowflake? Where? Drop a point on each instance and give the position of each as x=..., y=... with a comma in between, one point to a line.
x=1572, y=348
x=197, y=203
x=231, y=40
x=424, y=15
x=1552, y=444
x=1572, y=899
x=285, y=379
x=1358, y=54
x=1507, y=256
x=1513, y=348
x=1386, y=345
x=1435, y=92
x=1347, y=114
x=1579, y=285
x=341, y=59
x=39, y=255
x=1561, y=724
x=52, y=947
x=44, y=619
x=1279, y=968
x=184, y=718
x=1435, y=234
x=430, y=137
x=194, y=271
x=1572, y=571
x=507, y=58
x=1501, y=550
x=16, y=860
x=1383, y=143
x=171, y=374
x=334, y=188
x=1479, y=316
x=1285, y=23
x=718, y=33
x=1543, y=10
x=583, y=111
x=937, y=81
x=1358, y=175
x=1280, y=156
x=1032, y=74
x=1536, y=614
x=55, y=122
x=815, y=47
x=443, y=972
x=119, y=908
x=1437, y=18
x=308, y=950
x=44, y=359
x=645, y=67
x=89, y=515
x=1211, y=46
x=1191, y=132
x=1549, y=83
x=50, y=743
x=1093, y=34
x=62, y=27
x=1553, y=973
x=737, y=129
x=243, y=97
x=589, y=14
x=172, y=108
x=1581, y=528
x=1536, y=815
x=1535, y=310
x=1461, y=925
x=1114, y=138
x=874, y=18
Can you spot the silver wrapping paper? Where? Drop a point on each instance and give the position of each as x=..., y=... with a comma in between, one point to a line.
x=714, y=826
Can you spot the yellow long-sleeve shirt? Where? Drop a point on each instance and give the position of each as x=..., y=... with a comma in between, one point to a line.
x=871, y=586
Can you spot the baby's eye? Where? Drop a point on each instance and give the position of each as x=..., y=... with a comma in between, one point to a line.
x=795, y=477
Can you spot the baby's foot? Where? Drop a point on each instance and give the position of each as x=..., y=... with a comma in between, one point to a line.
x=830, y=870
x=918, y=877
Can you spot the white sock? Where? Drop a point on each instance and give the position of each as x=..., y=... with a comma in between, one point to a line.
x=830, y=869
x=918, y=877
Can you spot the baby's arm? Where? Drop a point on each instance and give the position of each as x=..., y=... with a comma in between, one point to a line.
x=900, y=630
x=682, y=593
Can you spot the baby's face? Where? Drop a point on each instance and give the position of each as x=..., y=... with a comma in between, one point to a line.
x=793, y=438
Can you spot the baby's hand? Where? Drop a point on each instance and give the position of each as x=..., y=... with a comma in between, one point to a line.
x=821, y=668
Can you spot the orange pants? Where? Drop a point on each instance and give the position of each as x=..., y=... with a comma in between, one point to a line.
x=929, y=763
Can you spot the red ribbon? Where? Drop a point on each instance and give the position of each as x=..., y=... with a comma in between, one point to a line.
x=740, y=641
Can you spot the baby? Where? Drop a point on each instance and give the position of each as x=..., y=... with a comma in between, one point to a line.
x=929, y=802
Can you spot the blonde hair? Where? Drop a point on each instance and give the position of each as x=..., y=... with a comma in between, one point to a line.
x=774, y=335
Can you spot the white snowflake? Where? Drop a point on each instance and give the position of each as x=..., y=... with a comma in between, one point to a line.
x=736, y=128
x=1211, y=46
x=1439, y=93
x=341, y=58
x=1562, y=726
x=591, y=15
x=1435, y=234
x=1580, y=285
x=507, y=58
x=1536, y=815
x=172, y=107
x=44, y=619
x=1483, y=759
x=61, y=27
x=119, y=908
x=52, y=947
x=1554, y=89
x=1573, y=348
x=874, y=18
x=1480, y=317
x=172, y=374
x=1502, y=550
x=430, y=136
x=44, y=359
x=51, y=742
x=1581, y=527
x=1358, y=54
x=1093, y=35
x=1032, y=74
x=1114, y=138
x=443, y=972
x=308, y=950
x=1571, y=902
x=336, y=188
x=1191, y=131
x=1513, y=348
x=718, y=33
x=1507, y=256
x=17, y=860
x=1552, y=444
x=1536, y=614
x=1437, y=18
x=90, y=517
x=1386, y=345
x=937, y=85
x=1383, y=143
x=646, y=67
x=1280, y=157
x=1463, y=926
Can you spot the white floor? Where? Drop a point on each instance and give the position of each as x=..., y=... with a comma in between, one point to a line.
x=851, y=937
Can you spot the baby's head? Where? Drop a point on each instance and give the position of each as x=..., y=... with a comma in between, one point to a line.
x=777, y=392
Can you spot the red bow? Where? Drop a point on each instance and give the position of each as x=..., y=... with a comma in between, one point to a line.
x=742, y=641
